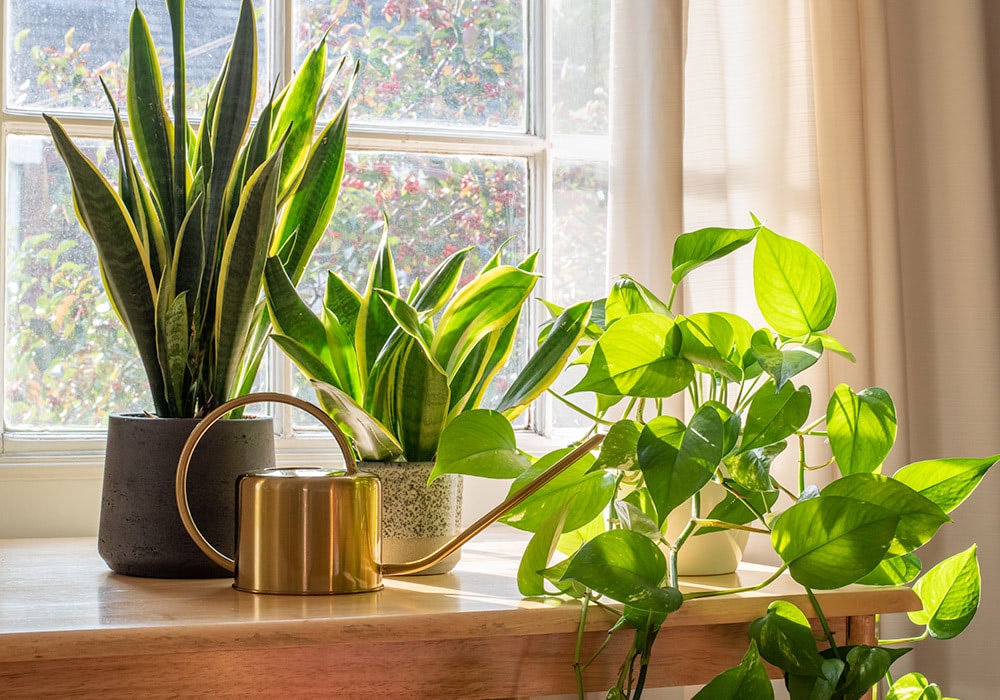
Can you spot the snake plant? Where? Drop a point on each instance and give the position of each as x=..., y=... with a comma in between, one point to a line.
x=183, y=238
x=394, y=371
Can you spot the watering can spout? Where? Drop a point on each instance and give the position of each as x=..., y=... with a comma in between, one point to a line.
x=317, y=531
x=415, y=567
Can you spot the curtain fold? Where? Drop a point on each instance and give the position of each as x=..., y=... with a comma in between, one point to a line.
x=866, y=129
x=645, y=190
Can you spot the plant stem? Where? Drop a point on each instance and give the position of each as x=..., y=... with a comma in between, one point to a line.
x=682, y=538
x=579, y=647
x=822, y=620
x=746, y=589
x=644, y=660
x=583, y=412
x=670, y=301
x=905, y=640
x=749, y=397
x=700, y=522
x=750, y=506
x=809, y=428
x=802, y=464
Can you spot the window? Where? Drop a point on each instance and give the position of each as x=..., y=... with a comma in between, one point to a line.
x=474, y=122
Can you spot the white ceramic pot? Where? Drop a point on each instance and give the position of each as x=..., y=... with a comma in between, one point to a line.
x=711, y=554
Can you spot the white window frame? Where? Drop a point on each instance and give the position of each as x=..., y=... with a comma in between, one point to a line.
x=66, y=468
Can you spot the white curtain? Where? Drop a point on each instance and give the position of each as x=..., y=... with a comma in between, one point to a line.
x=866, y=129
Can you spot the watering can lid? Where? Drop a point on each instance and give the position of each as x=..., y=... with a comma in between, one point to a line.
x=307, y=473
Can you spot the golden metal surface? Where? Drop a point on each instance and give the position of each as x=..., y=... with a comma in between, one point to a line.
x=307, y=532
x=316, y=531
x=299, y=531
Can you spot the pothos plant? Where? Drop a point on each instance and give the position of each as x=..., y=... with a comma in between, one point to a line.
x=609, y=514
x=183, y=239
x=393, y=371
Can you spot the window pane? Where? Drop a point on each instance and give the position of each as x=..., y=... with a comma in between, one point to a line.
x=68, y=360
x=458, y=64
x=58, y=50
x=579, y=231
x=436, y=205
x=579, y=242
x=581, y=40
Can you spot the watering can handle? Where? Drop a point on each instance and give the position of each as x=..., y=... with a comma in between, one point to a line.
x=199, y=431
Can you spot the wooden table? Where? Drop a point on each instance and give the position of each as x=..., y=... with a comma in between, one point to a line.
x=70, y=628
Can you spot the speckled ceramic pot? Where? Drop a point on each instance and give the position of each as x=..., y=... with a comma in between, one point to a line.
x=417, y=519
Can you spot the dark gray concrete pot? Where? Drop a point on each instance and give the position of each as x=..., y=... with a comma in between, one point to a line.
x=140, y=532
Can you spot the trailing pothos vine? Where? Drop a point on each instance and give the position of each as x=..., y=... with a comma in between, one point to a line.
x=836, y=521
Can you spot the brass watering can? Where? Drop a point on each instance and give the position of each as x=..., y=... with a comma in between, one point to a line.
x=311, y=531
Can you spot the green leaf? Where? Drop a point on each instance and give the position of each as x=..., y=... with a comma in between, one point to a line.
x=241, y=273
x=230, y=121
x=775, y=415
x=307, y=214
x=586, y=492
x=638, y=356
x=372, y=440
x=125, y=263
x=375, y=323
x=290, y=315
x=628, y=297
x=626, y=567
x=950, y=595
x=538, y=552
x=554, y=575
x=919, y=517
x=618, y=450
x=819, y=687
x=296, y=114
x=708, y=342
x=752, y=469
x=441, y=283
x=894, y=571
x=691, y=250
x=419, y=401
x=947, y=482
x=466, y=381
x=794, y=288
x=406, y=317
x=914, y=686
x=152, y=132
x=343, y=302
x=479, y=443
x=569, y=542
x=783, y=364
x=733, y=510
x=677, y=461
x=488, y=303
x=545, y=365
x=638, y=519
x=833, y=345
x=785, y=639
x=173, y=335
x=866, y=666
x=313, y=366
x=343, y=357
x=861, y=428
x=748, y=680
x=831, y=541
